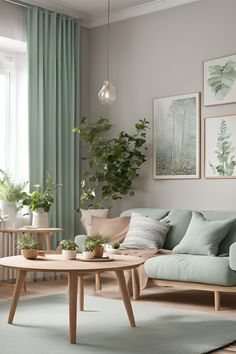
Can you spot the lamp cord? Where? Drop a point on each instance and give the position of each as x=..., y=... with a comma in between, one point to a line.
x=108, y=38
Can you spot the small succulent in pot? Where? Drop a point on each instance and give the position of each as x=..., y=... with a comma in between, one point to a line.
x=115, y=245
x=113, y=248
x=28, y=246
x=68, y=249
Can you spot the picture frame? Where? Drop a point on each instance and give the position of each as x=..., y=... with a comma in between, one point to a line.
x=176, y=137
x=219, y=77
x=220, y=147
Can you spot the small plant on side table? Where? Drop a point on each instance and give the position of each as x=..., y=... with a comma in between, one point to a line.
x=28, y=246
x=68, y=249
x=40, y=201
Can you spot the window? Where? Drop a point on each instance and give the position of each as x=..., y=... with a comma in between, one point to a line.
x=14, y=150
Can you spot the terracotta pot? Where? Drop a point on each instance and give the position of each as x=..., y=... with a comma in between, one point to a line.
x=29, y=254
x=98, y=252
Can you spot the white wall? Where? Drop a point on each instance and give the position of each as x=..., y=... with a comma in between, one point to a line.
x=12, y=21
x=159, y=55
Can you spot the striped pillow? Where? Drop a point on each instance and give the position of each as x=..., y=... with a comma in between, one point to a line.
x=145, y=233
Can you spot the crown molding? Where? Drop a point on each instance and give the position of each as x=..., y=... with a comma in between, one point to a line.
x=135, y=11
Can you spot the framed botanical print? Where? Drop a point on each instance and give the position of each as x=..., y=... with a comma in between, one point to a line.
x=220, y=80
x=176, y=137
x=220, y=147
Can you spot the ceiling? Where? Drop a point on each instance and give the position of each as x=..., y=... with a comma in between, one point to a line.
x=93, y=13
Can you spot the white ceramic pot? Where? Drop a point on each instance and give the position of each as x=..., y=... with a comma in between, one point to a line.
x=69, y=254
x=88, y=255
x=40, y=219
x=8, y=209
x=87, y=214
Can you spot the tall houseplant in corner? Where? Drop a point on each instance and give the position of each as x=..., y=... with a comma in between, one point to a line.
x=113, y=164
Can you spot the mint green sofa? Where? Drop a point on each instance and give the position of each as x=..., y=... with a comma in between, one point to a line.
x=217, y=274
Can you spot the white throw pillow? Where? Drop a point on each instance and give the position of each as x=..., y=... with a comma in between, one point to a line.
x=145, y=233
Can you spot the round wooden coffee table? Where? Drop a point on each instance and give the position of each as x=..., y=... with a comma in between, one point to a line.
x=74, y=268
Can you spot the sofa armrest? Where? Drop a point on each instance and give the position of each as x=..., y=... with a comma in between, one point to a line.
x=79, y=240
x=232, y=256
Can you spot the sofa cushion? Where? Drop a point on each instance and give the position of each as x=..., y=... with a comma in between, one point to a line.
x=203, y=236
x=231, y=235
x=145, y=233
x=115, y=229
x=189, y=268
x=179, y=221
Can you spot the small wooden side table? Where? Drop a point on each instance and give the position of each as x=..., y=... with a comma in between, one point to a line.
x=43, y=234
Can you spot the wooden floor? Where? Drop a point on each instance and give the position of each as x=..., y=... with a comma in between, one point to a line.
x=164, y=297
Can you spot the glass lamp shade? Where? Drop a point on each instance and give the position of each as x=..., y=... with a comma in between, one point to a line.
x=107, y=94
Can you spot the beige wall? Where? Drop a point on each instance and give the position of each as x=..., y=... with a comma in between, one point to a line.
x=160, y=55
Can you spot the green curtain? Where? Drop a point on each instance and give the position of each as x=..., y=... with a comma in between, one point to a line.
x=53, y=51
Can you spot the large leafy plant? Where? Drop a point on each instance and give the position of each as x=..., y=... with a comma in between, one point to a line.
x=221, y=79
x=224, y=150
x=113, y=163
x=40, y=199
x=9, y=191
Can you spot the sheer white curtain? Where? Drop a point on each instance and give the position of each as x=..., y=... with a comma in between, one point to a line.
x=14, y=149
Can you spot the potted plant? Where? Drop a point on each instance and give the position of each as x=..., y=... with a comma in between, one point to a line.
x=88, y=251
x=113, y=165
x=96, y=245
x=68, y=249
x=40, y=202
x=10, y=197
x=28, y=246
x=113, y=248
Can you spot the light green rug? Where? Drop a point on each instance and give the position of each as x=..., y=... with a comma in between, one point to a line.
x=41, y=327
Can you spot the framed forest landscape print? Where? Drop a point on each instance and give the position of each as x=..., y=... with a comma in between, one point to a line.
x=176, y=137
x=220, y=147
x=220, y=81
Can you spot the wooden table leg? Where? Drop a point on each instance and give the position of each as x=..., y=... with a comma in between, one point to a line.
x=48, y=240
x=125, y=295
x=135, y=283
x=81, y=293
x=73, y=289
x=40, y=240
x=19, y=282
x=98, y=285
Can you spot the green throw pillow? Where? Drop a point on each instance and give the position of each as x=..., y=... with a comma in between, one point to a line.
x=203, y=236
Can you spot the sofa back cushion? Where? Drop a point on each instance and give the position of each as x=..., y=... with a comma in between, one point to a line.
x=231, y=236
x=180, y=219
x=204, y=236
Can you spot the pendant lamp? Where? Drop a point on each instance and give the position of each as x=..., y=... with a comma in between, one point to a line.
x=107, y=93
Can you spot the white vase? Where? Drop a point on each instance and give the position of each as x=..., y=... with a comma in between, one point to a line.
x=69, y=254
x=88, y=255
x=87, y=214
x=8, y=209
x=40, y=219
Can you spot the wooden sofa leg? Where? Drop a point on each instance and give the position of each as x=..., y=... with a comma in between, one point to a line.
x=98, y=285
x=81, y=293
x=217, y=300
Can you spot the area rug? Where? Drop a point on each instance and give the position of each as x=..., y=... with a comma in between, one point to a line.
x=41, y=327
